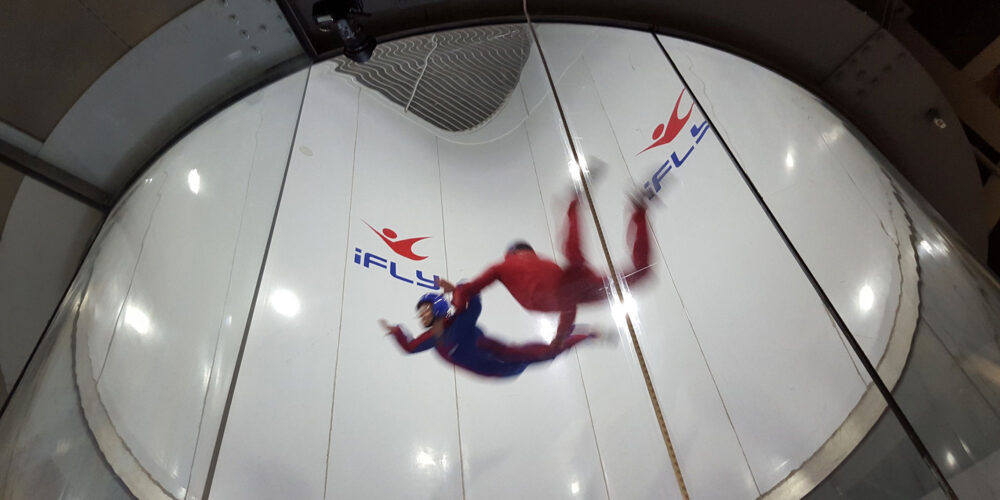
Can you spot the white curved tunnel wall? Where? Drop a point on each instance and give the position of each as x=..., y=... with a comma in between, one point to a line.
x=726, y=294
x=431, y=432
x=732, y=291
x=812, y=161
x=752, y=376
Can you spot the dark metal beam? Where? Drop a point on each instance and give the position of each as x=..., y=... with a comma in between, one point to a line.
x=55, y=177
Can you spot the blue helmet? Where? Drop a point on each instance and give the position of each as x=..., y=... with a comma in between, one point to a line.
x=439, y=306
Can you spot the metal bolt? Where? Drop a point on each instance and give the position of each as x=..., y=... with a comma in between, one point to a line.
x=935, y=117
x=255, y=49
x=233, y=18
x=262, y=27
x=245, y=34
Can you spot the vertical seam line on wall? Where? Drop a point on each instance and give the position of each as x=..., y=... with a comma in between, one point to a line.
x=454, y=370
x=895, y=240
x=343, y=289
x=225, y=301
x=846, y=333
x=593, y=426
x=253, y=303
x=680, y=299
x=576, y=353
x=615, y=279
x=531, y=151
x=135, y=269
x=648, y=378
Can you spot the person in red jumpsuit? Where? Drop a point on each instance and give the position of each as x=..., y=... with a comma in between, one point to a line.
x=539, y=284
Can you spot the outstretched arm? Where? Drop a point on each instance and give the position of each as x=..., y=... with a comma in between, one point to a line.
x=422, y=343
x=460, y=298
x=445, y=285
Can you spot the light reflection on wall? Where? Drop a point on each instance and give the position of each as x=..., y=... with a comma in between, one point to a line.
x=626, y=306
x=285, y=303
x=194, y=181
x=137, y=319
x=866, y=297
x=425, y=459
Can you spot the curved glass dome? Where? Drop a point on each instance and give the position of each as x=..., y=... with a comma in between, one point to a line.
x=222, y=337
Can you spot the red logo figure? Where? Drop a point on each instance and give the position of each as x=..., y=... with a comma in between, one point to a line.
x=401, y=247
x=674, y=127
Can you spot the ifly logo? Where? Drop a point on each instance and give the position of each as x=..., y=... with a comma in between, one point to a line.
x=369, y=260
x=402, y=247
x=664, y=134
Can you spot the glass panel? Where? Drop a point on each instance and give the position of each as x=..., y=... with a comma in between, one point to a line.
x=752, y=375
x=882, y=466
x=925, y=313
x=127, y=391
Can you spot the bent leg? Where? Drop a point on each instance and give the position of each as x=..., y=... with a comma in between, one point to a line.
x=581, y=285
x=528, y=353
x=639, y=227
x=514, y=353
x=571, y=247
x=565, y=327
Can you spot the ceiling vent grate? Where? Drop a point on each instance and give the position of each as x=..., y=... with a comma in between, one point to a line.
x=455, y=80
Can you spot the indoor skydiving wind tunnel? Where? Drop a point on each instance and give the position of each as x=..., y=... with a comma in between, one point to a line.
x=221, y=339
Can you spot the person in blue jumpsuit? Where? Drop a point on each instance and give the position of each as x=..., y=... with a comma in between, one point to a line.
x=459, y=341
